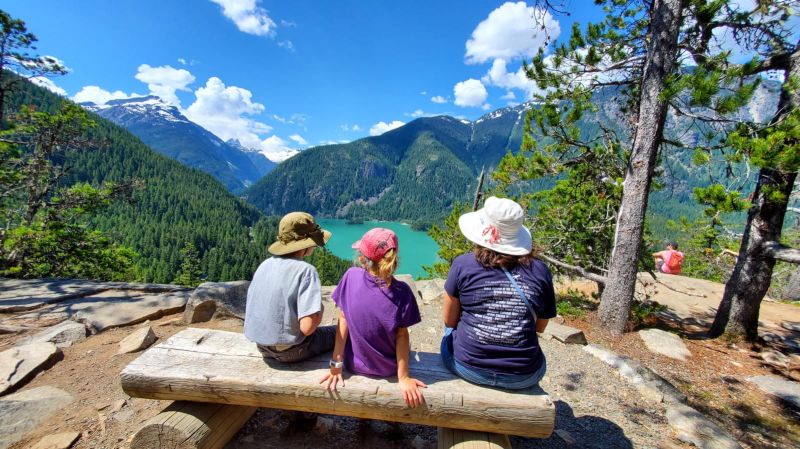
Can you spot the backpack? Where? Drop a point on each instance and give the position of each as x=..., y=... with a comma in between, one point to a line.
x=675, y=260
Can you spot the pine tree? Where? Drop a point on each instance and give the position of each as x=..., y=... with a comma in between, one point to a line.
x=189, y=274
x=16, y=44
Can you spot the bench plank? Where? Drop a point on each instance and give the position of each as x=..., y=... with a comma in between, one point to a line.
x=203, y=365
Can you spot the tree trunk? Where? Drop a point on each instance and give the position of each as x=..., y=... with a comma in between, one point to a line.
x=737, y=314
x=660, y=62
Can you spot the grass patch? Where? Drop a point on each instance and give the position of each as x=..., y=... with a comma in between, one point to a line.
x=644, y=313
x=574, y=304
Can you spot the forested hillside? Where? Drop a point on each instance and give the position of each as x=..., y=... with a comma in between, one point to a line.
x=176, y=205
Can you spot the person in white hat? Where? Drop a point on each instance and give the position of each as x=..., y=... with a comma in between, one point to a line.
x=497, y=297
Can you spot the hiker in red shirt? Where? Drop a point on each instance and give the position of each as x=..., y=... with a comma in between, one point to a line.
x=669, y=261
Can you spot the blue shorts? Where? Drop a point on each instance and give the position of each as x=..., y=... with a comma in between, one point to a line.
x=485, y=377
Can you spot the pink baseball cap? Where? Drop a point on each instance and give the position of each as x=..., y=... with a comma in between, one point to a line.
x=376, y=242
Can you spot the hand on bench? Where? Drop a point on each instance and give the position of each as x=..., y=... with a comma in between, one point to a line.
x=410, y=387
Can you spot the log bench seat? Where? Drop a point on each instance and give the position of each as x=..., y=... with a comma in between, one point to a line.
x=211, y=366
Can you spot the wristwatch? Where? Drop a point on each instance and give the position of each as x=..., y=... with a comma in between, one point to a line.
x=335, y=364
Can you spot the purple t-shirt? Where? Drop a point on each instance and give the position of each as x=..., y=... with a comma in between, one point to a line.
x=373, y=313
x=496, y=331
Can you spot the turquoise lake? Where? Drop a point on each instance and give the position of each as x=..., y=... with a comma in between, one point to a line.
x=416, y=247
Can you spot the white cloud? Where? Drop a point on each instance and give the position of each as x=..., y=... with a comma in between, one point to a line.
x=423, y=93
x=509, y=96
x=511, y=31
x=420, y=113
x=48, y=84
x=470, y=93
x=382, y=127
x=439, y=99
x=223, y=110
x=486, y=106
x=98, y=95
x=288, y=23
x=164, y=81
x=182, y=61
x=287, y=44
x=248, y=16
x=355, y=128
x=499, y=76
x=299, y=139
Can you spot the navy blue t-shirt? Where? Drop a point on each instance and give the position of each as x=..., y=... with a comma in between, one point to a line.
x=496, y=331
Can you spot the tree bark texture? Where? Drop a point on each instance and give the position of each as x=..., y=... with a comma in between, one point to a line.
x=737, y=314
x=660, y=62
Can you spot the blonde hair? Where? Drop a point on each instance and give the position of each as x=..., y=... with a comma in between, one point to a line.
x=382, y=269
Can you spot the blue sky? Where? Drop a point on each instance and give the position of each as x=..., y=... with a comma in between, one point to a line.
x=280, y=74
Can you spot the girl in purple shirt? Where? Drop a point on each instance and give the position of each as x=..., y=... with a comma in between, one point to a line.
x=375, y=312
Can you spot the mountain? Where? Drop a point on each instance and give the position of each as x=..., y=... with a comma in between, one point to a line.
x=177, y=205
x=165, y=129
x=263, y=163
x=416, y=172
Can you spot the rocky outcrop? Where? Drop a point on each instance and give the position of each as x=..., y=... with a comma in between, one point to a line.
x=777, y=386
x=62, y=335
x=216, y=299
x=649, y=384
x=693, y=427
x=431, y=290
x=19, y=364
x=23, y=411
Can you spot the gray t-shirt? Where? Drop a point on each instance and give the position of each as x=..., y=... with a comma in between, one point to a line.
x=283, y=290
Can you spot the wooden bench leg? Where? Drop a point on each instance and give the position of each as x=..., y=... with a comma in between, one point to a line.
x=192, y=425
x=468, y=439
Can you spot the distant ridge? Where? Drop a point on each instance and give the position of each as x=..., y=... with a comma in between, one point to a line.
x=165, y=129
x=415, y=172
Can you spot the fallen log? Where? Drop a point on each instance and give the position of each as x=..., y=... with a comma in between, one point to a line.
x=467, y=439
x=204, y=365
x=192, y=425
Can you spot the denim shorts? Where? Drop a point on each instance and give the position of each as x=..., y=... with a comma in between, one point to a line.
x=486, y=377
x=321, y=341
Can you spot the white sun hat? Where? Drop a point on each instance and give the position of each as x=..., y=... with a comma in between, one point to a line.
x=498, y=226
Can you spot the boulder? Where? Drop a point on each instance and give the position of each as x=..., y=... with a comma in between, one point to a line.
x=693, y=427
x=431, y=290
x=665, y=343
x=23, y=411
x=408, y=279
x=20, y=363
x=565, y=334
x=775, y=358
x=58, y=441
x=787, y=390
x=215, y=299
x=137, y=340
x=792, y=291
x=62, y=335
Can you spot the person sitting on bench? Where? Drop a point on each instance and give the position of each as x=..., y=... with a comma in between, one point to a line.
x=376, y=311
x=284, y=301
x=497, y=298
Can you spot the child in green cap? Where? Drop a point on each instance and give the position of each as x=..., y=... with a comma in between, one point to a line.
x=284, y=301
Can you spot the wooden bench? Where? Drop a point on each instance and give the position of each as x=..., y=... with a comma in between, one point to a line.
x=210, y=366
